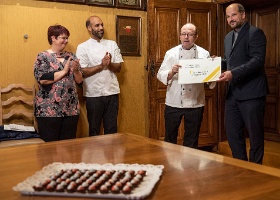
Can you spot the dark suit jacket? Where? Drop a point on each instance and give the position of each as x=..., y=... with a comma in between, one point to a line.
x=246, y=62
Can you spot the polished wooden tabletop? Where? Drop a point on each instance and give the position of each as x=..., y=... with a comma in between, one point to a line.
x=188, y=173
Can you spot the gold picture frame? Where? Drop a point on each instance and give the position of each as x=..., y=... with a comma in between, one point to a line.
x=107, y=3
x=128, y=30
x=71, y=1
x=131, y=4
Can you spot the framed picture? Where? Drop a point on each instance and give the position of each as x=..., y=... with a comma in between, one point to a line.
x=131, y=4
x=108, y=3
x=71, y=1
x=129, y=35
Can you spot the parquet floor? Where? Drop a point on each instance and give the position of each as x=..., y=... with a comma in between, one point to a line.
x=271, y=152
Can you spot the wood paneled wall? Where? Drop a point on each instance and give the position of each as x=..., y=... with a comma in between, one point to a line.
x=33, y=17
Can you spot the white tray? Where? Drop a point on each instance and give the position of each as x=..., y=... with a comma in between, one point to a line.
x=153, y=173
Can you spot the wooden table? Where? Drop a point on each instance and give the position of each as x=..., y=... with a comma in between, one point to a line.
x=188, y=173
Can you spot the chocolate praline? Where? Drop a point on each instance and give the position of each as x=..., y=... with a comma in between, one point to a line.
x=108, y=172
x=46, y=182
x=131, y=172
x=135, y=182
x=74, y=170
x=50, y=187
x=58, y=180
x=115, y=189
x=116, y=175
x=38, y=187
x=92, y=188
x=89, y=181
x=139, y=176
x=71, y=187
x=99, y=172
x=64, y=184
x=81, y=189
x=142, y=172
x=126, y=189
x=59, y=188
x=85, y=184
x=103, y=189
x=91, y=171
x=79, y=181
x=129, y=184
x=119, y=184
x=113, y=180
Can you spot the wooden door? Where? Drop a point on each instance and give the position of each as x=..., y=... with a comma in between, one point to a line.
x=267, y=18
x=165, y=19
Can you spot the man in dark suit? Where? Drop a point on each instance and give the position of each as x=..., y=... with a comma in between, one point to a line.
x=245, y=48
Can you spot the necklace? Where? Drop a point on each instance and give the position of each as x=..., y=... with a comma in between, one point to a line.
x=56, y=54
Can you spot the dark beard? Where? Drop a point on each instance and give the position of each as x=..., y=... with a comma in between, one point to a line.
x=96, y=34
x=238, y=25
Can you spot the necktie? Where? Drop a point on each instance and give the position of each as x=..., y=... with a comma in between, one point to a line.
x=235, y=34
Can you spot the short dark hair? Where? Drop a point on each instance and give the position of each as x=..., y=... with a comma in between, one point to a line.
x=241, y=9
x=56, y=31
x=88, y=22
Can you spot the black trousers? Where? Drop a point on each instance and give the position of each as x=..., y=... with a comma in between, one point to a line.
x=248, y=113
x=104, y=109
x=57, y=128
x=192, y=123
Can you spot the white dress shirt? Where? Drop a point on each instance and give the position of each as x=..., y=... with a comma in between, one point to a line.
x=90, y=53
x=182, y=95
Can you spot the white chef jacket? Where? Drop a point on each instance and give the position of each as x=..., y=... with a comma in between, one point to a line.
x=182, y=95
x=90, y=53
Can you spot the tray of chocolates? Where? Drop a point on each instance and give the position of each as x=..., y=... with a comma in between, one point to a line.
x=123, y=181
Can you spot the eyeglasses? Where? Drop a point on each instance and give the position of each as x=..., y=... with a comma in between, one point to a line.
x=64, y=38
x=188, y=34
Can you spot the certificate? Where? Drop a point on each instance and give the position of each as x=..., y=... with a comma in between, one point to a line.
x=199, y=70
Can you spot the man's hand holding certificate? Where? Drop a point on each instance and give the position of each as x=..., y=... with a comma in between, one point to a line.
x=199, y=70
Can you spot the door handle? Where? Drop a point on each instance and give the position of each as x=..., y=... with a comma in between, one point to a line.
x=152, y=68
